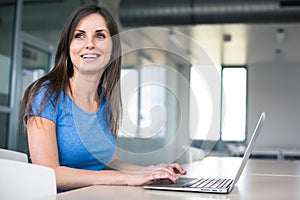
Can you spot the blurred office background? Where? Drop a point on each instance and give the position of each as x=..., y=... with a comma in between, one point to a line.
x=253, y=45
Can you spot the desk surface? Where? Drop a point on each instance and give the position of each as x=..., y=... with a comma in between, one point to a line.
x=261, y=179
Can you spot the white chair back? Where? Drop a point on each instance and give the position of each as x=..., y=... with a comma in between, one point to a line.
x=26, y=181
x=13, y=155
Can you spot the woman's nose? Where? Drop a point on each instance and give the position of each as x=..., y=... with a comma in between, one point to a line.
x=90, y=43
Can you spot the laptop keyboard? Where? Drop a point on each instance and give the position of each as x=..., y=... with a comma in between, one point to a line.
x=209, y=183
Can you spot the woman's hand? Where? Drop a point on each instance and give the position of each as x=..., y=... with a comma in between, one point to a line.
x=154, y=173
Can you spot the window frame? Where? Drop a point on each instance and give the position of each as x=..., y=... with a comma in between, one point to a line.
x=222, y=145
x=141, y=71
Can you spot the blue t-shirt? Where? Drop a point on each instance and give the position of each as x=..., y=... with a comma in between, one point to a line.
x=84, y=139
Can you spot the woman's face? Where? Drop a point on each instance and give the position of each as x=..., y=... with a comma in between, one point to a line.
x=91, y=45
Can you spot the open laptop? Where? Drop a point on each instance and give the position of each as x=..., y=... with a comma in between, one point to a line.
x=210, y=185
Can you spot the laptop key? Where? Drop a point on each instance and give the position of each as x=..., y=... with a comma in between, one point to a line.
x=218, y=183
x=211, y=183
x=204, y=183
x=189, y=184
x=196, y=184
x=226, y=183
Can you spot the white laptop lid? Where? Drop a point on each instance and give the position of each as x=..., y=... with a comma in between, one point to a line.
x=249, y=147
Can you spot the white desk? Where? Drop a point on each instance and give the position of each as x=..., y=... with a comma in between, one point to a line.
x=261, y=179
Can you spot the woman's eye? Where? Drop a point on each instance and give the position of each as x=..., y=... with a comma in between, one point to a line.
x=79, y=35
x=101, y=36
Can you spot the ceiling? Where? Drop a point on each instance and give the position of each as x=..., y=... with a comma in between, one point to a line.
x=227, y=44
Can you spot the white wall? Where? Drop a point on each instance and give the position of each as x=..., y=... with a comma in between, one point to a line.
x=275, y=88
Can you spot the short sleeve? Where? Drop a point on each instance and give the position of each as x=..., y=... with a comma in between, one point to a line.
x=44, y=109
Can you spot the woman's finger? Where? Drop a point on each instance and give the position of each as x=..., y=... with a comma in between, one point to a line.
x=177, y=168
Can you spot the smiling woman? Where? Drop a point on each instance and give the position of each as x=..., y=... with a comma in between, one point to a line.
x=72, y=113
x=90, y=49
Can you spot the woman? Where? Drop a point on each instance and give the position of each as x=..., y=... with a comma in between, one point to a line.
x=72, y=113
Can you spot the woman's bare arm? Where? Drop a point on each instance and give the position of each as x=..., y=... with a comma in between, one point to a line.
x=43, y=151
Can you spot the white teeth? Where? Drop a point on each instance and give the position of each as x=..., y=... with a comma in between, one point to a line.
x=90, y=56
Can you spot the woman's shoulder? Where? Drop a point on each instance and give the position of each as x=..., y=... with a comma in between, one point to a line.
x=47, y=92
x=46, y=88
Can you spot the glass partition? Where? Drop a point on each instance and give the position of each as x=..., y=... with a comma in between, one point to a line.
x=41, y=25
x=3, y=129
x=35, y=63
x=7, y=11
x=45, y=19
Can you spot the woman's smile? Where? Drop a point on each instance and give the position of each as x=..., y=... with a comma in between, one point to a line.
x=91, y=46
x=90, y=56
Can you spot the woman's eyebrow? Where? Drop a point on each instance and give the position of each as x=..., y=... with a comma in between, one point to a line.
x=97, y=31
x=101, y=30
x=82, y=31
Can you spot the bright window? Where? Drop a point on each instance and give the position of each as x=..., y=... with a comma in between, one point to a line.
x=144, y=93
x=234, y=103
x=201, y=107
x=234, y=80
x=130, y=102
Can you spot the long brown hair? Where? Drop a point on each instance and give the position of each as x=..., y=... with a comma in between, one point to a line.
x=57, y=79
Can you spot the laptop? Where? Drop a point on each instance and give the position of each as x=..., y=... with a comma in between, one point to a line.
x=210, y=185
